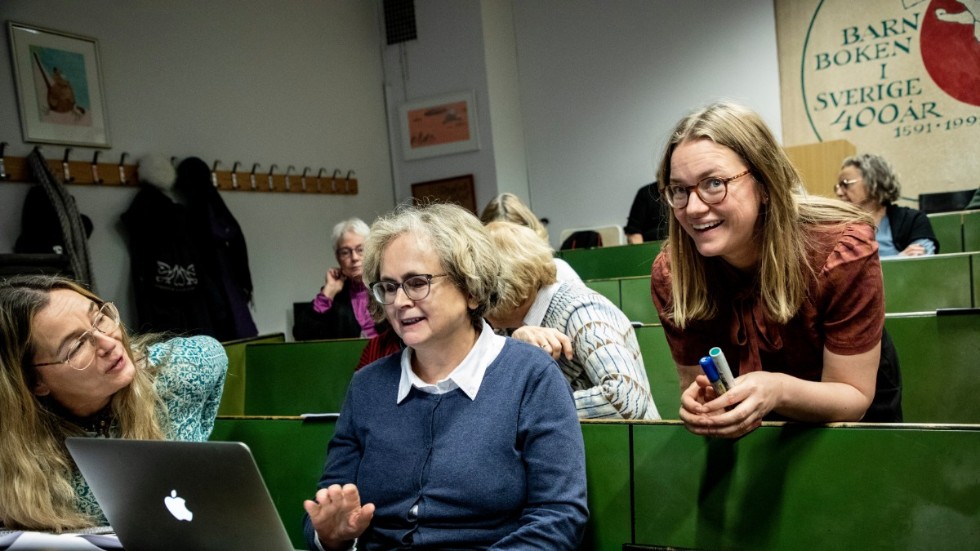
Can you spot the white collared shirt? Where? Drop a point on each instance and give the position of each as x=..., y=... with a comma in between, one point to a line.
x=467, y=376
x=535, y=314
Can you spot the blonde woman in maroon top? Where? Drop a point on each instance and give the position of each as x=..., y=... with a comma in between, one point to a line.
x=788, y=286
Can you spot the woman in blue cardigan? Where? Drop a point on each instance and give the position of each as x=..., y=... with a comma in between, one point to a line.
x=466, y=439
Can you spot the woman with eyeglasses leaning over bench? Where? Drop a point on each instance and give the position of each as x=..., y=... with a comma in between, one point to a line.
x=464, y=440
x=788, y=286
x=68, y=367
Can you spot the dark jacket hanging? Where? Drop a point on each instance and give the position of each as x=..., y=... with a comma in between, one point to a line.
x=169, y=293
x=51, y=223
x=221, y=250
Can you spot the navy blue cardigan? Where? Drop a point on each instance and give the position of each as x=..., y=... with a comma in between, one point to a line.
x=503, y=471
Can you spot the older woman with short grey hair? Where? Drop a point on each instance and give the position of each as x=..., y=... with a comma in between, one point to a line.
x=869, y=182
x=340, y=308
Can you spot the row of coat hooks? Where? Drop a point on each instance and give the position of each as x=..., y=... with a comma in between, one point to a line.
x=239, y=178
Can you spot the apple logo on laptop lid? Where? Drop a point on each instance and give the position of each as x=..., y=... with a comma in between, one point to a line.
x=178, y=507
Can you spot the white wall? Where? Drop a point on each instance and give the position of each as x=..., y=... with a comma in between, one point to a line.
x=288, y=82
x=597, y=88
x=603, y=83
x=448, y=56
x=308, y=83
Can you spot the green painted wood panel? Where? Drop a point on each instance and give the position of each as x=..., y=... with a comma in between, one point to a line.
x=607, y=469
x=971, y=231
x=948, y=227
x=233, y=395
x=290, y=454
x=637, y=304
x=938, y=356
x=606, y=262
x=805, y=488
x=661, y=370
x=299, y=377
x=927, y=283
x=608, y=288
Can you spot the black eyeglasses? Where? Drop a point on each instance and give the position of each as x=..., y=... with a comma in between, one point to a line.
x=81, y=353
x=711, y=190
x=347, y=252
x=415, y=287
x=844, y=184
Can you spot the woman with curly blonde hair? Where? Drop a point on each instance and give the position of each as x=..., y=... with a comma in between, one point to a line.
x=69, y=368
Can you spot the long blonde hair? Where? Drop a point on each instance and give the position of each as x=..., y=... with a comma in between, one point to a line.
x=784, y=270
x=35, y=469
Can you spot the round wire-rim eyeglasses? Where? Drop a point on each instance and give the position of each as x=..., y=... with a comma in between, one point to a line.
x=106, y=320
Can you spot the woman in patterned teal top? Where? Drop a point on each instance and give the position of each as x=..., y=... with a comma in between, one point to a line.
x=68, y=368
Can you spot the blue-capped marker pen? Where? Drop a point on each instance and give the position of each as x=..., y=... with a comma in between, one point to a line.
x=708, y=366
x=724, y=371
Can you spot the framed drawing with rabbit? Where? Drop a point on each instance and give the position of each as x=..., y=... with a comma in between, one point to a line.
x=58, y=77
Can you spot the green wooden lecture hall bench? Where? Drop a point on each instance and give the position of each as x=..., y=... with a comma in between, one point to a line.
x=937, y=353
x=915, y=284
x=657, y=486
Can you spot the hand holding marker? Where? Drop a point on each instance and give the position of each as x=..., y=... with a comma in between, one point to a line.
x=724, y=371
x=716, y=368
x=708, y=366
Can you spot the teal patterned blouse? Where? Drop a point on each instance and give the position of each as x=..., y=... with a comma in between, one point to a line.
x=190, y=382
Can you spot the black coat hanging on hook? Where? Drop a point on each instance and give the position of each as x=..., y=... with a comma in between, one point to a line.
x=223, y=256
x=170, y=294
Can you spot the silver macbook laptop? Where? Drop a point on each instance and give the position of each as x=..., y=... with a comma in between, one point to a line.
x=167, y=495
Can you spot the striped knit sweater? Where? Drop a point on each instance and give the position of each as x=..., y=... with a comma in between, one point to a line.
x=606, y=371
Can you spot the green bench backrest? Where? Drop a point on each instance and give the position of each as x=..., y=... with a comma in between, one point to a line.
x=618, y=261
x=290, y=454
x=233, y=396
x=971, y=230
x=300, y=377
x=661, y=370
x=608, y=288
x=938, y=355
x=927, y=283
x=948, y=227
x=807, y=488
x=779, y=487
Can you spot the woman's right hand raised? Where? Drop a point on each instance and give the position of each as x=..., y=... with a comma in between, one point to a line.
x=333, y=282
x=338, y=516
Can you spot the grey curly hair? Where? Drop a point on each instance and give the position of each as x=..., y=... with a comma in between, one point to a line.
x=880, y=181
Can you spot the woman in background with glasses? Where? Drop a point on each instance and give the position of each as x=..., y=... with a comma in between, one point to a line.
x=466, y=439
x=788, y=286
x=69, y=368
x=340, y=308
x=869, y=182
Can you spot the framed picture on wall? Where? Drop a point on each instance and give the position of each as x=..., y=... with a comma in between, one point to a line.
x=457, y=190
x=58, y=77
x=439, y=125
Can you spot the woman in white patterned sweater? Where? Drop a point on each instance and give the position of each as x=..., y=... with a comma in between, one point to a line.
x=592, y=340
